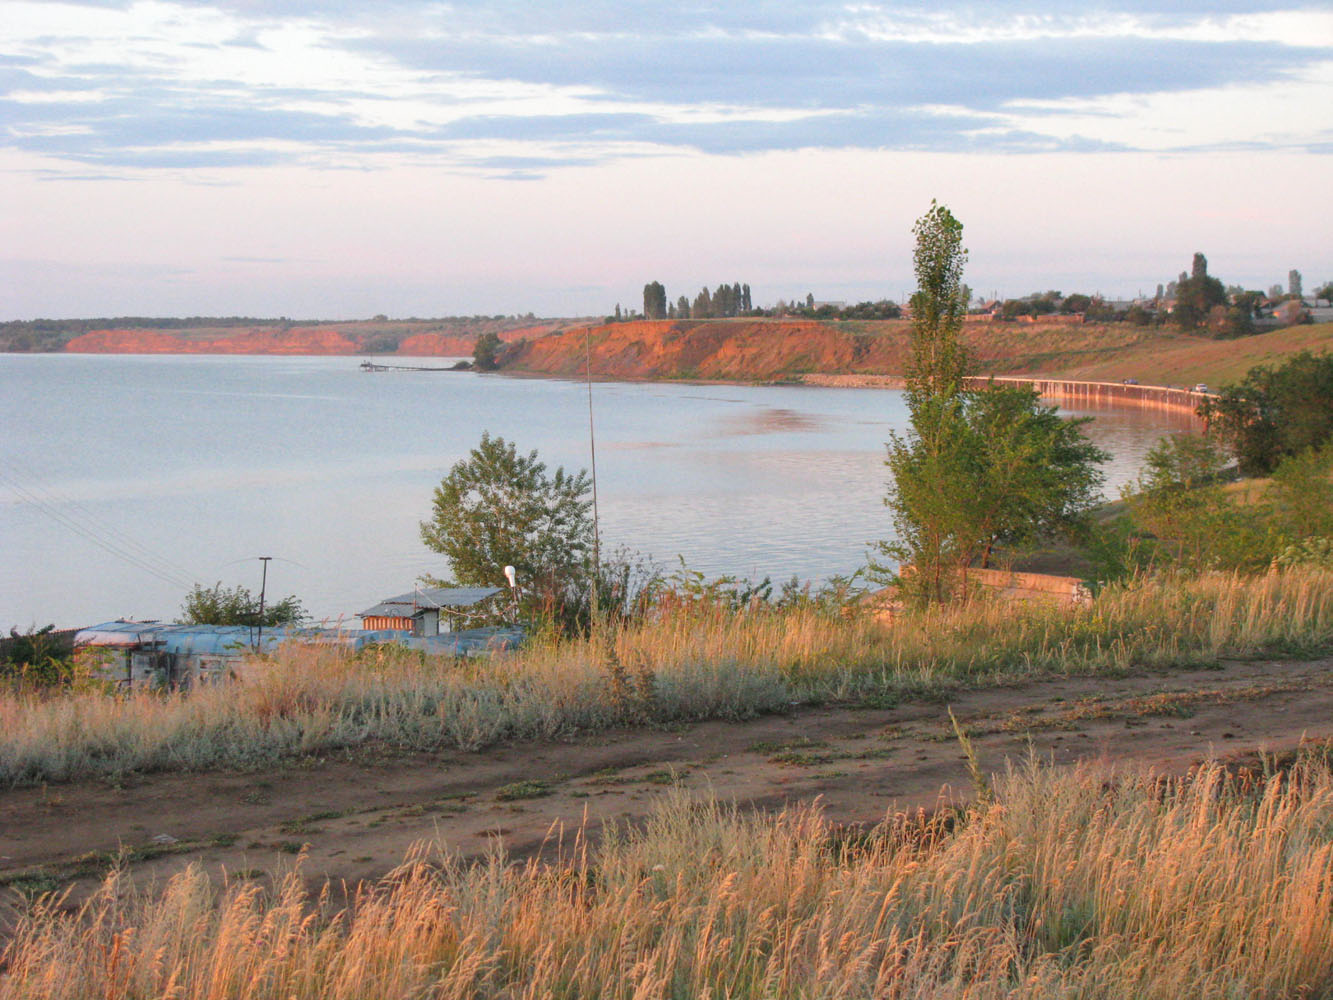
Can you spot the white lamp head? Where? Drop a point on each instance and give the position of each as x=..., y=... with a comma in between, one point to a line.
x=511, y=576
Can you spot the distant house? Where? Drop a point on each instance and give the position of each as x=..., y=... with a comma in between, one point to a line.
x=427, y=610
x=151, y=654
x=183, y=656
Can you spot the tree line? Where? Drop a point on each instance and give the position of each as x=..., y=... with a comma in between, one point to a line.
x=724, y=302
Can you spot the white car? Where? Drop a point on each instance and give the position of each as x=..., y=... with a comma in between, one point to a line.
x=1200, y=387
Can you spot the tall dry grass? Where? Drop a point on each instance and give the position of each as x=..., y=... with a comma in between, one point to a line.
x=693, y=664
x=1066, y=885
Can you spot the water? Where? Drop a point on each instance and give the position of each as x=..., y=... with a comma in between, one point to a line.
x=125, y=479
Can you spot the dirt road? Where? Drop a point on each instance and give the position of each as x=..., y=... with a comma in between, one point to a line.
x=355, y=816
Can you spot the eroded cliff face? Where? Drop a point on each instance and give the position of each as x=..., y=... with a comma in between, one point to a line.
x=347, y=339
x=296, y=340
x=742, y=349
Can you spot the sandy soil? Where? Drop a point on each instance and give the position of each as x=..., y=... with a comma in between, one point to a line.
x=355, y=816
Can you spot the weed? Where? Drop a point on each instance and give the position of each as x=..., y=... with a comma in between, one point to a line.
x=522, y=790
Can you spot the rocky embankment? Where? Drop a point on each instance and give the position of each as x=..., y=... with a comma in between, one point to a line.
x=332, y=338
x=739, y=349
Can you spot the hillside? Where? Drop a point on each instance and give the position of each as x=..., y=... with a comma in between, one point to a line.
x=776, y=350
x=452, y=336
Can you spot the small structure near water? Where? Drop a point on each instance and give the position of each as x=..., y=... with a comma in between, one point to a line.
x=136, y=654
x=427, y=611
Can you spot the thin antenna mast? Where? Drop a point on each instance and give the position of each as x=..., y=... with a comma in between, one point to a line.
x=592, y=448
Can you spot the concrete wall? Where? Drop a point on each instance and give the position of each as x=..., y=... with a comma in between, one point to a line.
x=1094, y=394
x=1063, y=590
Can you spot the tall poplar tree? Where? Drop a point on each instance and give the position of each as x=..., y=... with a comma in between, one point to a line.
x=977, y=467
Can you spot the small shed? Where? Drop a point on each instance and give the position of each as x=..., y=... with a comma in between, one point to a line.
x=427, y=610
x=154, y=654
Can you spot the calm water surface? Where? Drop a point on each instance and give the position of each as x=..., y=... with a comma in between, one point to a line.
x=124, y=479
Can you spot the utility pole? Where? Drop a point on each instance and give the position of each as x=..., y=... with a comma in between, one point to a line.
x=592, y=448
x=263, y=584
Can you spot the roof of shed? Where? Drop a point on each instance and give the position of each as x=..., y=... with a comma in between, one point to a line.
x=429, y=599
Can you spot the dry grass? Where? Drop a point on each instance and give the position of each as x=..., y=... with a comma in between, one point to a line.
x=1065, y=885
x=694, y=664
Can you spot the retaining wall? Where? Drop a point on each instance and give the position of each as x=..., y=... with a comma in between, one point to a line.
x=1093, y=394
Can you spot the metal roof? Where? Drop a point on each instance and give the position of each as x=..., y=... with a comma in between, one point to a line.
x=429, y=599
x=236, y=640
x=208, y=640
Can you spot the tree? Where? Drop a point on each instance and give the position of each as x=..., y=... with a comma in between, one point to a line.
x=486, y=353
x=1196, y=295
x=1325, y=292
x=654, y=300
x=219, y=605
x=938, y=361
x=1274, y=413
x=1076, y=303
x=497, y=508
x=977, y=467
x=683, y=307
x=1178, y=499
x=1294, y=283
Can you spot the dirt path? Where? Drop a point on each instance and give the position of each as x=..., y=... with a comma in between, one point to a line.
x=355, y=816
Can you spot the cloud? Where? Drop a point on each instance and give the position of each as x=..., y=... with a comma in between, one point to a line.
x=184, y=84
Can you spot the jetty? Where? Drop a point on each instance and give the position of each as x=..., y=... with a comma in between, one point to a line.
x=371, y=366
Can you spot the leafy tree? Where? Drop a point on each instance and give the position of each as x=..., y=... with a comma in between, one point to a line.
x=683, y=307
x=1301, y=492
x=938, y=361
x=654, y=300
x=1273, y=413
x=1294, y=283
x=219, y=605
x=1179, y=501
x=498, y=508
x=1076, y=303
x=978, y=467
x=486, y=353
x=1196, y=295
x=1325, y=292
x=703, y=305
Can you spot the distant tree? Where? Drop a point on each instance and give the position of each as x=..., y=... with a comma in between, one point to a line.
x=1248, y=301
x=810, y=300
x=1294, y=283
x=1076, y=303
x=703, y=305
x=618, y=315
x=1275, y=292
x=498, y=508
x=683, y=307
x=746, y=304
x=486, y=353
x=1137, y=315
x=654, y=300
x=1325, y=292
x=219, y=605
x=1196, y=295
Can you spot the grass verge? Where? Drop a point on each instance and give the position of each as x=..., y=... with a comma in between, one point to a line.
x=1066, y=884
x=690, y=665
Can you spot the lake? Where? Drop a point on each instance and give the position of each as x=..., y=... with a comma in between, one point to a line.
x=124, y=479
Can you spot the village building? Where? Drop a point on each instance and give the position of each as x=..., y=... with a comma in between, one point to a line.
x=429, y=611
x=152, y=654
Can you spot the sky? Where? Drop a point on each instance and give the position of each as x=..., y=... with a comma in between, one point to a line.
x=338, y=160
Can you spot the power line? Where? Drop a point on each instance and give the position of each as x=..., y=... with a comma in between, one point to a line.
x=97, y=524
x=91, y=535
